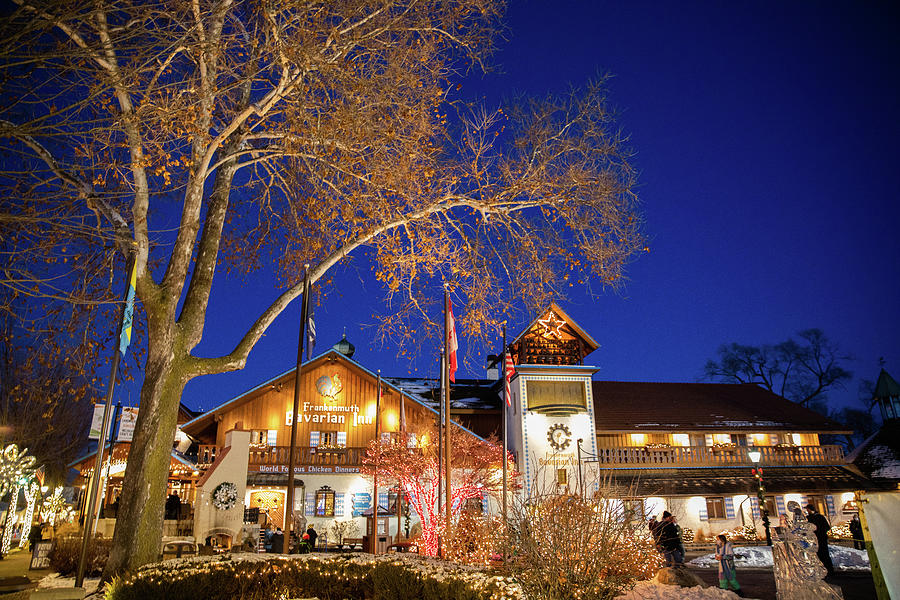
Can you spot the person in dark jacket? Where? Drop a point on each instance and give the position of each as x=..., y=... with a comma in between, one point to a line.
x=669, y=541
x=822, y=528
x=278, y=541
x=311, y=532
x=859, y=543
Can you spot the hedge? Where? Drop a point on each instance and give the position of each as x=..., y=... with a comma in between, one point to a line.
x=334, y=578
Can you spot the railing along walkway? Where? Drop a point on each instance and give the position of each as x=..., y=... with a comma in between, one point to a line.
x=682, y=456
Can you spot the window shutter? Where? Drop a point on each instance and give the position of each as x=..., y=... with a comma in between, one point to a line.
x=704, y=516
x=484, y=503
x=774, y=440
x=829, y=503
x=779, y=504
x=754, y=506
x=342, y=439
x=729, y=507
x=310, y=504
x=383, y=499
x=314, y=438
x=804, y=500
x=272, y=437
x=708, y=439
x=339, y=504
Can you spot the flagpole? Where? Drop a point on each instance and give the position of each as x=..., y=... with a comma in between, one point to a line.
x=375, y=476
x=503, y=405
x=98, y=460
x=440, y=430
x=304, y=316
x=445, y=374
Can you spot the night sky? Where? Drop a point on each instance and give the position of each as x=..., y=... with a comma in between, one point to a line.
x=765, y=134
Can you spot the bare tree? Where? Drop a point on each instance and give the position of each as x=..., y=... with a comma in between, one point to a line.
x=202, y=133
x=802, y=371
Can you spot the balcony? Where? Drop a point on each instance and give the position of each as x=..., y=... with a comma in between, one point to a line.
x=303, y=456
x=709, y=456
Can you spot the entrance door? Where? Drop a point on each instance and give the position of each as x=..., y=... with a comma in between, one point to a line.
x=271, y=504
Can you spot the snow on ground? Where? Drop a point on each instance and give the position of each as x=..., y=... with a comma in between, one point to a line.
x=650, y=590
x=844, y=559
x=55, y=581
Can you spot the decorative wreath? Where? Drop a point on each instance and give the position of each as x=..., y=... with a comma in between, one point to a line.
x=224, y=496
x=559, y=436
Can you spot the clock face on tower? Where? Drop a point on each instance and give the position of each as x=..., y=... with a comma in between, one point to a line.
x=559, y=436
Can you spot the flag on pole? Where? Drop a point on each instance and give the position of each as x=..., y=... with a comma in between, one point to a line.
x=508, y=371
x=128, y=313
x=310, y=337
x=452, y=343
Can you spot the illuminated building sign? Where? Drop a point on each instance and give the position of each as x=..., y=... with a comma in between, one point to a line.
x=326, y=413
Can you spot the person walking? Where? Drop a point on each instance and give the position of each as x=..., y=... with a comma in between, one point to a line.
x=680, y=534
x=278, y=541
x=856, y=532
x=311, y=532
x=727, y=572
x=668, y=541
x=822, y=528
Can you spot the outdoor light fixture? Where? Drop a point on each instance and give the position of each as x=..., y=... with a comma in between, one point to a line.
x=755, y=455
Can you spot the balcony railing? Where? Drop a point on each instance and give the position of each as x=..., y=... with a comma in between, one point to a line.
x=303, y=456
x=705, y=456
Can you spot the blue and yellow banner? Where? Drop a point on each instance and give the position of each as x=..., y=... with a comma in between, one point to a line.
x=125, y=337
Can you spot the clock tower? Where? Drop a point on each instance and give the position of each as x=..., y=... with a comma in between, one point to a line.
x=551, y=422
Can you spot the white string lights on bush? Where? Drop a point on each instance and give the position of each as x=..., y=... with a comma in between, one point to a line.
x=16, y=469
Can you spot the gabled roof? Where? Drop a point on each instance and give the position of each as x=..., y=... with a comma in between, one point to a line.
x=209, y=416
x=633, y=406
x=589, y=342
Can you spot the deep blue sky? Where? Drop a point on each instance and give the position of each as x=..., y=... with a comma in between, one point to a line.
x=765, y=133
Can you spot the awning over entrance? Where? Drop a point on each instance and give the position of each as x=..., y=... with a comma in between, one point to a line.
x=272, y=479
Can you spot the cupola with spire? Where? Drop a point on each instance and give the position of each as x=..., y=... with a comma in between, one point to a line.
x=344, y=346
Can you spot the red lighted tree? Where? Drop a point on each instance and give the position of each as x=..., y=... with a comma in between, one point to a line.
x=476, y=467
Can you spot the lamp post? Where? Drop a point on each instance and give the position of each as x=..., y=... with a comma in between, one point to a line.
x=755, y=455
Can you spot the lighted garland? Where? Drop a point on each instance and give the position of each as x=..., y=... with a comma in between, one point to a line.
x=224, y=496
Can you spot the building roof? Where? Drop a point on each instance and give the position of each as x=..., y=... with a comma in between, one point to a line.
x=415, y=390
x=589, y=342
x=879, y=456
x=735, y=480
x=633, y=406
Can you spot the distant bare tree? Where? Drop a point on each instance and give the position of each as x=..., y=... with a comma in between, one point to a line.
x=199, y=134
x=802, y=371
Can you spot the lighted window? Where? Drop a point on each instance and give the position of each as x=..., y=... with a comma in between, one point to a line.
x=796, y=439
x=562, y=476
x=721, y=438
x=325, y=502
x=681, y=439
x=272, y=437
x=638, y=439
x=760, y=439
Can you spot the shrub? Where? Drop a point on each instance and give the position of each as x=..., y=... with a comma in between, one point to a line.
x=335, y=578
x=66, y=551
x=567, y=546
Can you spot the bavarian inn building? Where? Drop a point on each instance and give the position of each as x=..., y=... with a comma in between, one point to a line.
x=681, y=447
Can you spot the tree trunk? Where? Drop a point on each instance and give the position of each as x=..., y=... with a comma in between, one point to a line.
x=136, y=541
